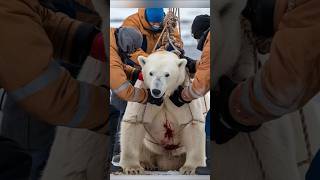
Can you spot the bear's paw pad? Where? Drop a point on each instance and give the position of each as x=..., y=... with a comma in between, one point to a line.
x=187, y=170
x=133, y=170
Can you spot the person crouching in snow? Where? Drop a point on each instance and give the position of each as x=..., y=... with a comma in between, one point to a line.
x=149, y=21
x=123, y=41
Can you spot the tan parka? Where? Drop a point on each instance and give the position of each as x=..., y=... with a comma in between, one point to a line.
x=201, y=83
x=120, y=73
x=291, y=76
x=138, y=20
x=31, y=36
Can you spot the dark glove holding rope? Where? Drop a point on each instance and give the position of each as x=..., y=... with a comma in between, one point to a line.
x=191, y=65
x=224, y=125
x=176, y=98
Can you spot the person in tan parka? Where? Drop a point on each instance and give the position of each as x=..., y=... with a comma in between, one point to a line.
x=123, y=41
x=149, y=22
x=200, y=68
x=287, y=81
x=32, y=36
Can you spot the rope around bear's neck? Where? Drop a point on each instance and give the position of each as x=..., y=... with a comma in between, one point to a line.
x=167, y=36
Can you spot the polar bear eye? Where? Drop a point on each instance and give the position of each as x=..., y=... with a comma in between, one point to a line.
x=167, y=75
x=150, y=73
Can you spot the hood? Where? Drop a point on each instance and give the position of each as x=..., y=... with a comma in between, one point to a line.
x=143, y=20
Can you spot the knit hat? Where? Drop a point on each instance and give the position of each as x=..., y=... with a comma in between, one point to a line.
x=199, y=25
x=155, y=15
x=129, y=39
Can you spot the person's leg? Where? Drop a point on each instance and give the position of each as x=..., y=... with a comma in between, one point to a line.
x=112, y=133
x=15, y=163
x=39, y=161
x=206, y=170
x=120, y=105
x=314, y=169
x=32, y=135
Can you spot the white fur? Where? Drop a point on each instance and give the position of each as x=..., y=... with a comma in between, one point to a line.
x=142, y=123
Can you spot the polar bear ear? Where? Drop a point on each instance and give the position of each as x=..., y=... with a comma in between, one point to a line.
x=142, y=60
x=182, y=63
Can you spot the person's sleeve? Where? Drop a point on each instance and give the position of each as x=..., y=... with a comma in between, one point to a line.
x=291, y=76
x=201, y=82
x=131, y=21
x=119, y=83
x=71, y=39
x=31, y=77
x=139, y=52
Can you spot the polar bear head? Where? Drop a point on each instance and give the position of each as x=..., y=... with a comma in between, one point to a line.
x=163, y=72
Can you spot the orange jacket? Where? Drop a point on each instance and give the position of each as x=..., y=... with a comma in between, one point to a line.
x=31, y=37
x=201, y=83
x=138, y=20
x=291, y=76
x=119, y=73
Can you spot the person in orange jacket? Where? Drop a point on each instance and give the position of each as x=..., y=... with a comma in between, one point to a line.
x=33, y=37
x=286, y=82
x=123, y=41
x=38, y=83
x=200, y=68
x=149, y=21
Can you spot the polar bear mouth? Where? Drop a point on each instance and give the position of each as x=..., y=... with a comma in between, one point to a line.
x=156, y=93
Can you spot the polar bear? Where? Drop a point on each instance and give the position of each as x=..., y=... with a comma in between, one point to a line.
x=162, y=137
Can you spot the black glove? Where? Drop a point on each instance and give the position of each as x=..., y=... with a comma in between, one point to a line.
x=134, y=77
x=224, y=126
x=152, y=100
x=191, y=64
x=176, y=98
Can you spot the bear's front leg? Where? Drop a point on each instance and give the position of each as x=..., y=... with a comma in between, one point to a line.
x=194, y=140
x=131, y=142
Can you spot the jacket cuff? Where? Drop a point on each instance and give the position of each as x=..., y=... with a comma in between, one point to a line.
x=243, y=110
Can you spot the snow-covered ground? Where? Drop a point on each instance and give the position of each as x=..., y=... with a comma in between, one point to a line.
x=117, y=15
x=159, y=177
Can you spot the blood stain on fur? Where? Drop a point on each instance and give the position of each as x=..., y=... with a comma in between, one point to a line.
x=169, y=131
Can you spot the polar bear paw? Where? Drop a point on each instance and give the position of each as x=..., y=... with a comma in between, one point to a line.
x=187, y=170
x=148, y=166
x=133, y=170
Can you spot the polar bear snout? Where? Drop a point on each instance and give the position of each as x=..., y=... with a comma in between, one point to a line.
x=158, y=87
x=156, y=92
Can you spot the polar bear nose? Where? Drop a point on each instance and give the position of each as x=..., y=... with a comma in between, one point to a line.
x=156, y=92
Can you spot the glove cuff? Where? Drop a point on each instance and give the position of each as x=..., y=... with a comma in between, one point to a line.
x=140, y=76
x=97, y=48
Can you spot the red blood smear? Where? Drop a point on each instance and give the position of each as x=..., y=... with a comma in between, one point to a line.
x=169, y=135
x=169, y=131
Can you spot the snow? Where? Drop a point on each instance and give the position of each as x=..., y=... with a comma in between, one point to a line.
x=159, y=177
